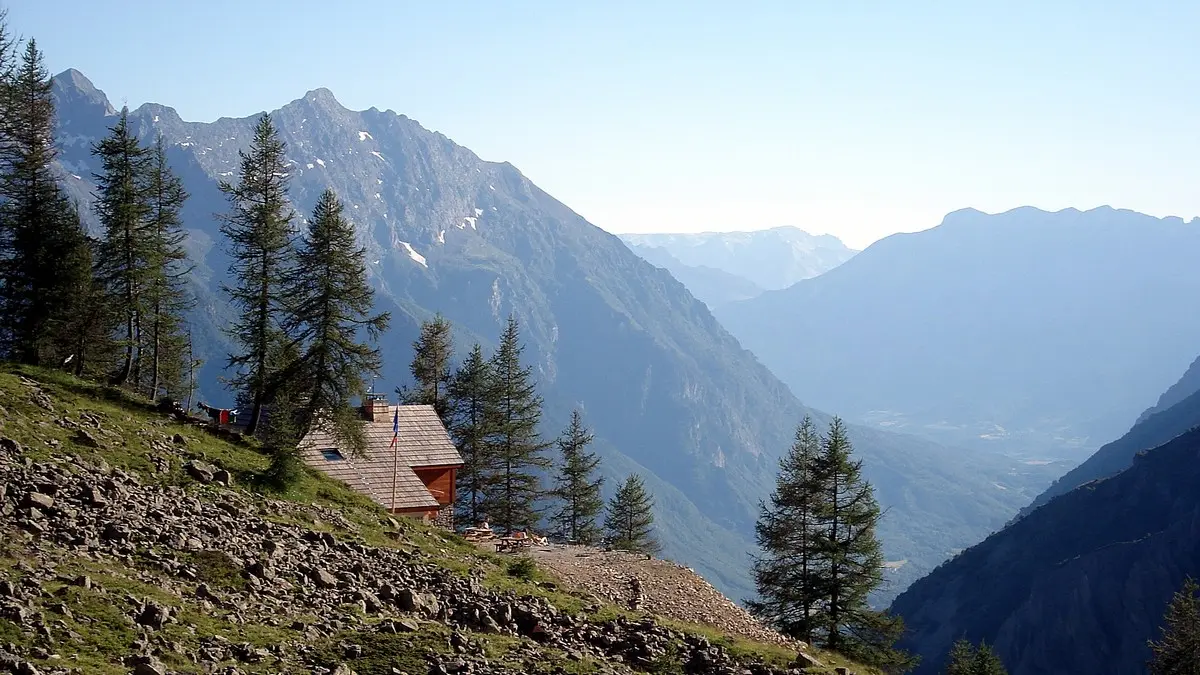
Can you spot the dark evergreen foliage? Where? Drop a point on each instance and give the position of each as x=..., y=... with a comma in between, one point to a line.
x=577, y=487
x=334, y=327
x=37, y=222
x=259, y=232
x=122, y=267
x=516, y=446
x=966, y=659
x=164, y=341
x=433, y=353
x=473, y=421
x=789, y=573
x=820, y=557
x=1178, y=652
x=629, y=523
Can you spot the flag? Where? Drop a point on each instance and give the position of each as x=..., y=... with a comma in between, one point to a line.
x=395, y=427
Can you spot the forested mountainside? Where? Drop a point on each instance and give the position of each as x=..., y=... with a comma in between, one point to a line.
x=1028, y=332
x=1177, y=411
x=773, y=258
x=667, y=390
x=1079, y=585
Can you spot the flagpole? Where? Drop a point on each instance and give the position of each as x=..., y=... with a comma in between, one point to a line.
x=395, y=455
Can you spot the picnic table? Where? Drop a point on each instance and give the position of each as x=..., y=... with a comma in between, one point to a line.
x=505, y=544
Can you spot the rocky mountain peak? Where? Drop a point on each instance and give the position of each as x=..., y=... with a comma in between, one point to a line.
x=73, y=88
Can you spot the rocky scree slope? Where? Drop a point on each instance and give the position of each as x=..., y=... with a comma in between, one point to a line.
x=129, y=547
x=669, y=393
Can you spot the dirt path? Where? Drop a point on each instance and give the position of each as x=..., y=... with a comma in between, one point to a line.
x=668, y=589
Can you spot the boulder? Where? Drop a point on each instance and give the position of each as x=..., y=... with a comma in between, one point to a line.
x=38, y=500
x=200, y=471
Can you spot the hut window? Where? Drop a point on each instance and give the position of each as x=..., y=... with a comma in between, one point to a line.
x=331, y=454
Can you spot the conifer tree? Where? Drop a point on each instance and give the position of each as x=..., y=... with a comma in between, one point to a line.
x=472, y=424
x=122, y=208
x=966, y=659
x=80, y=331
x=629, y=523
x=790, y=572
x=848, y=515
x=516, y=446
x=259, y=232
x=577, y=487
x=432, y=355
x=164, y=342
x=821, y=558
x=36, y=219
x=333, y=322
x=1178, y=652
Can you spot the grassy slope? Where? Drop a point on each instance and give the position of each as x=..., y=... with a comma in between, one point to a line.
x=105, y=633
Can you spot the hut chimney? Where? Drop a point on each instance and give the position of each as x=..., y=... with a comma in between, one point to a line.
x=376, y=407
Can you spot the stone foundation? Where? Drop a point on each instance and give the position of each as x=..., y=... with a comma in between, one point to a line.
x=445, y=517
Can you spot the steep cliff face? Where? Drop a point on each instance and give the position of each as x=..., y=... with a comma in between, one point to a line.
x=1079, y=585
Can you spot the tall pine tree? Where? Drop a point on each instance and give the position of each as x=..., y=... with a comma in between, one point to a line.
x=333, y=322
x=259, y=230
x=1178, y=652
x=789, y=574
x=848, y=515
x=577, y=487
x=36, y=219
x=629, y=523
x=472, y=424
x=81, y=328
x=431, y=367
x=821, y=558
x=164, y=342
x=516, y=445
x=122, y=207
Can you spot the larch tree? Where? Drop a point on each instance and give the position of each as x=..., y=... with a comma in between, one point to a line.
x=789, y=573
x=36, y=219
x=967, y=659
x=81, y=328
x=259, y=232
x=847, y=515
x=472, y=424
x=516, y=446
x=433, y=353
x=335, y=327
x=1178, y=650
x=577, y=487
x=122, y=208
x=629, y=521
x=164, y=342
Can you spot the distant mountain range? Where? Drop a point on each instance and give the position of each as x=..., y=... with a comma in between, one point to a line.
x=712, y=286
x=668, y=391
x=1078, y=585
x=770, y=259
x=1032, y=333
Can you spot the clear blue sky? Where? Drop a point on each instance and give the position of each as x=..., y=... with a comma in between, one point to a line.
x=857, y=118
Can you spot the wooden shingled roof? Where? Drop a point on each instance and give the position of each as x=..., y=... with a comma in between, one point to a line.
x=422, y=442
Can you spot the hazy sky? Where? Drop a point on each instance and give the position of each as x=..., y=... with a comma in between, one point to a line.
x=857, y=118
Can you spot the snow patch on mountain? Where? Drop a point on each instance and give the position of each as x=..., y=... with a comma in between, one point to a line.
x=412, y=253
